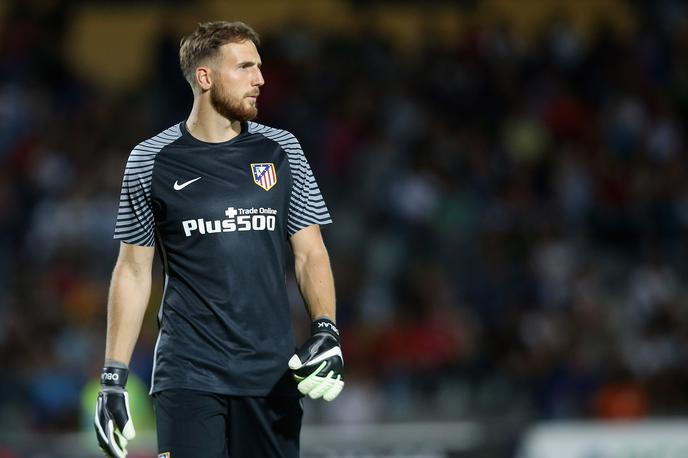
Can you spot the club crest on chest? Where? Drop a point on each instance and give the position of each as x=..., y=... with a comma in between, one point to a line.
x=264, y=175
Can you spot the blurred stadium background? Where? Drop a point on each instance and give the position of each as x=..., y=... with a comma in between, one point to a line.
x=509, y=184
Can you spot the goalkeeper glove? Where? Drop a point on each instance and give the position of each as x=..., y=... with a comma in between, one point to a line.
x=114, y=427
x=318, y=366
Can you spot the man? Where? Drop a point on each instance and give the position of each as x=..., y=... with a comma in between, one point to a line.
x=220, y=197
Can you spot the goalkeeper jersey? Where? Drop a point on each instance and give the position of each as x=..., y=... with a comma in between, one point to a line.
x=220, y=216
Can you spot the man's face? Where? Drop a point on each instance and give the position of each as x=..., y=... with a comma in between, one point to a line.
x=236, y=81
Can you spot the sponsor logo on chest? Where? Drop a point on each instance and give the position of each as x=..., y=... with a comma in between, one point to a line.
x=238, y=220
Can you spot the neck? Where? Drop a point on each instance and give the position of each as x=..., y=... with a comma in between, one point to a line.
x=207, y=125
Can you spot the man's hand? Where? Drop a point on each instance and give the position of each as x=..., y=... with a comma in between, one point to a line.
x=318, y=365
x=114, y=427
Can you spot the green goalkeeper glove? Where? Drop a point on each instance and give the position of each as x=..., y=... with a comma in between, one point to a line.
x=318, y=366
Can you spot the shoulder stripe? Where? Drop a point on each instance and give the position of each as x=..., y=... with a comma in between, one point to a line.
x=135, y=221
x=306, y=204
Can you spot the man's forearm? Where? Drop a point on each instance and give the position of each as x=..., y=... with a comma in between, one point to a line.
x=129, y=294
x=318, y=365
x=314, y=275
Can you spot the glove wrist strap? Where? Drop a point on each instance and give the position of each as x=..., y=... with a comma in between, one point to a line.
x=114, y=376
x=324, y=325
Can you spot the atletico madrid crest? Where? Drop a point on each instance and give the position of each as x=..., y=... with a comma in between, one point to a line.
x=264, y=175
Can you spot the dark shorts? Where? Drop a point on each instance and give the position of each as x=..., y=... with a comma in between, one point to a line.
x=193, y=424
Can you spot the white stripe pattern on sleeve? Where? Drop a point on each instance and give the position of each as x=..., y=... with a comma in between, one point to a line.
x=306, y=204
x=135, y=223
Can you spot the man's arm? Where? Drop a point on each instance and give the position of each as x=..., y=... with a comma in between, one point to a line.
x=130, y=289
x=318, y=366
x=129, y=294
x=313, y=273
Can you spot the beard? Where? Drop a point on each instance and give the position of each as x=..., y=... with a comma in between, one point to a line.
x=231, y=107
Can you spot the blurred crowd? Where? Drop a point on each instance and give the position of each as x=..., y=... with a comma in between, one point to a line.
x=509, y=216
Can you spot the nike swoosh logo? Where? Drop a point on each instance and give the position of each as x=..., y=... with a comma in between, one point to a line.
x=334, y=351
x=178, y=186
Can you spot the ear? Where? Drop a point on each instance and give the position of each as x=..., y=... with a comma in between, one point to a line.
x=203, y=78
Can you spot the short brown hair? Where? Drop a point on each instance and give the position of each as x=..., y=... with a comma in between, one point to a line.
x=204, y=42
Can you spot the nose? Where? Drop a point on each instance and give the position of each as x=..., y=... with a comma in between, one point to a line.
x=258, y=78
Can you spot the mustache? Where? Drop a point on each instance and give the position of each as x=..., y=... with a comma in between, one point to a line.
x=253, y=94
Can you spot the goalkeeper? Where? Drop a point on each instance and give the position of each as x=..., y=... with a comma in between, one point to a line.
x=222, y=199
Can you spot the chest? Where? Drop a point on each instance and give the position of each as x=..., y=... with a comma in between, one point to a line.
x=207, y=183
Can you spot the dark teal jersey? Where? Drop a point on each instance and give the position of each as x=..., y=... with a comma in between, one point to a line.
x=220, y=215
